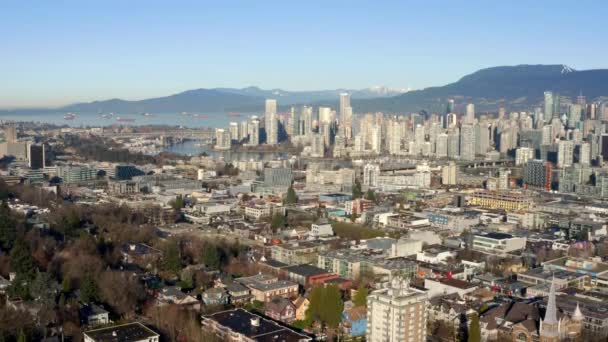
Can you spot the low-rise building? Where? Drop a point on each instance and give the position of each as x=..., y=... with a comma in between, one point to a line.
x=265, y=287
x=498, y=243
x=240, y=325
x=130, y=332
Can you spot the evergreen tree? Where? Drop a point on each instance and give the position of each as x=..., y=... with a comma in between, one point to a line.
x=172, y=260
x=326, y=305
x=278, y=221
x=291, y=197
x=21, y=260
x=370, y=195
x=211, y=257
x=44, y=289
x=360, y=298
x=474, y=329
x=89, y=291
x=8, y=227
x=357, y=192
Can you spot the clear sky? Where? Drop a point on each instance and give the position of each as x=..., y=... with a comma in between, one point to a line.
x=57, y=52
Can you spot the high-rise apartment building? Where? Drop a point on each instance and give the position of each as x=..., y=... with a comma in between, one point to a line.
x=222, y=139
x=523, y=154
x=344, y=103
x=537, y=174
x=371, y=172
x=548, y=106
x=36, y=156
x=254, y=132
x=467, y=142
x=271, y=122
x=565, y=153
x=396, y=313
x=10, y=134
x=449, y=174
x=469, y=117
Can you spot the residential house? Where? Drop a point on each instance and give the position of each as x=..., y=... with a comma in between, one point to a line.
x=216, y=296
x=301, y=304
x=264, y=287
x=354, y=321
x=173, y=295
x=93, y=315
x=281, y=309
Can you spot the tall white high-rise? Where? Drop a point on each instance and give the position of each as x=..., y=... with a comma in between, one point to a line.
x=344, y=103
x=467, y=142
x=325, y=115
x=469, y=117
x=306, y=117
x=376, y=138
x=453, y=143
x=548, y=108
x=254, y=132
x=394, y=137
x=371, y=172
x=565, y=153
x=233, y=128
x=449, y=174
x=523, y=154
x=244, y=130
x=397, y=312
x=585, y=154
x=547, y=135
x=272, y=124
x=441, y=146
x=222, y=138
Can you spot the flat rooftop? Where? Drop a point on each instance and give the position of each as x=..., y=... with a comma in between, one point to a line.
x=122, y=333
x=239, y=321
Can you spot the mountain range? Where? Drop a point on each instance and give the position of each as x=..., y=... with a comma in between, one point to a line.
x=518, y=87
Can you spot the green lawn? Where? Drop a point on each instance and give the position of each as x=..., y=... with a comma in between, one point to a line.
x=354, y=231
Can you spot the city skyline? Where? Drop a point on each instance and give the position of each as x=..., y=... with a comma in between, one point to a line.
x=57, y=54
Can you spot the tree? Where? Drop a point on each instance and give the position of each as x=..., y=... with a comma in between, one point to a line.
x=122, y=291
x=44, y=289
x=178, y=203
x=370, y=195
x=290, y=197
x=360, y=298
x=21, y=260
x=8, y=227
x=172, y=260
x=357, y=192
x=326, y=305
x=474, y=329
x=211, y=257
x=278, y=221
x=89, y=291
x=22, y=337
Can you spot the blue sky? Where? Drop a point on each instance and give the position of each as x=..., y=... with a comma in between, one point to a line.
x=58, y=52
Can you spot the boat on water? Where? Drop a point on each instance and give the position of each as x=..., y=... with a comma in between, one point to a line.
x=119, y=119
x=234, y=115
x=69, y=116
x=200, y=116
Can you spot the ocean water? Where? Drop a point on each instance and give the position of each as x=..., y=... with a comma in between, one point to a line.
x=194, y=148
x=195, y=120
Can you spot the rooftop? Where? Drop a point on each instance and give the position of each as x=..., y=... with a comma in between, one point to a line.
x=124, y=333
x=240, y=321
